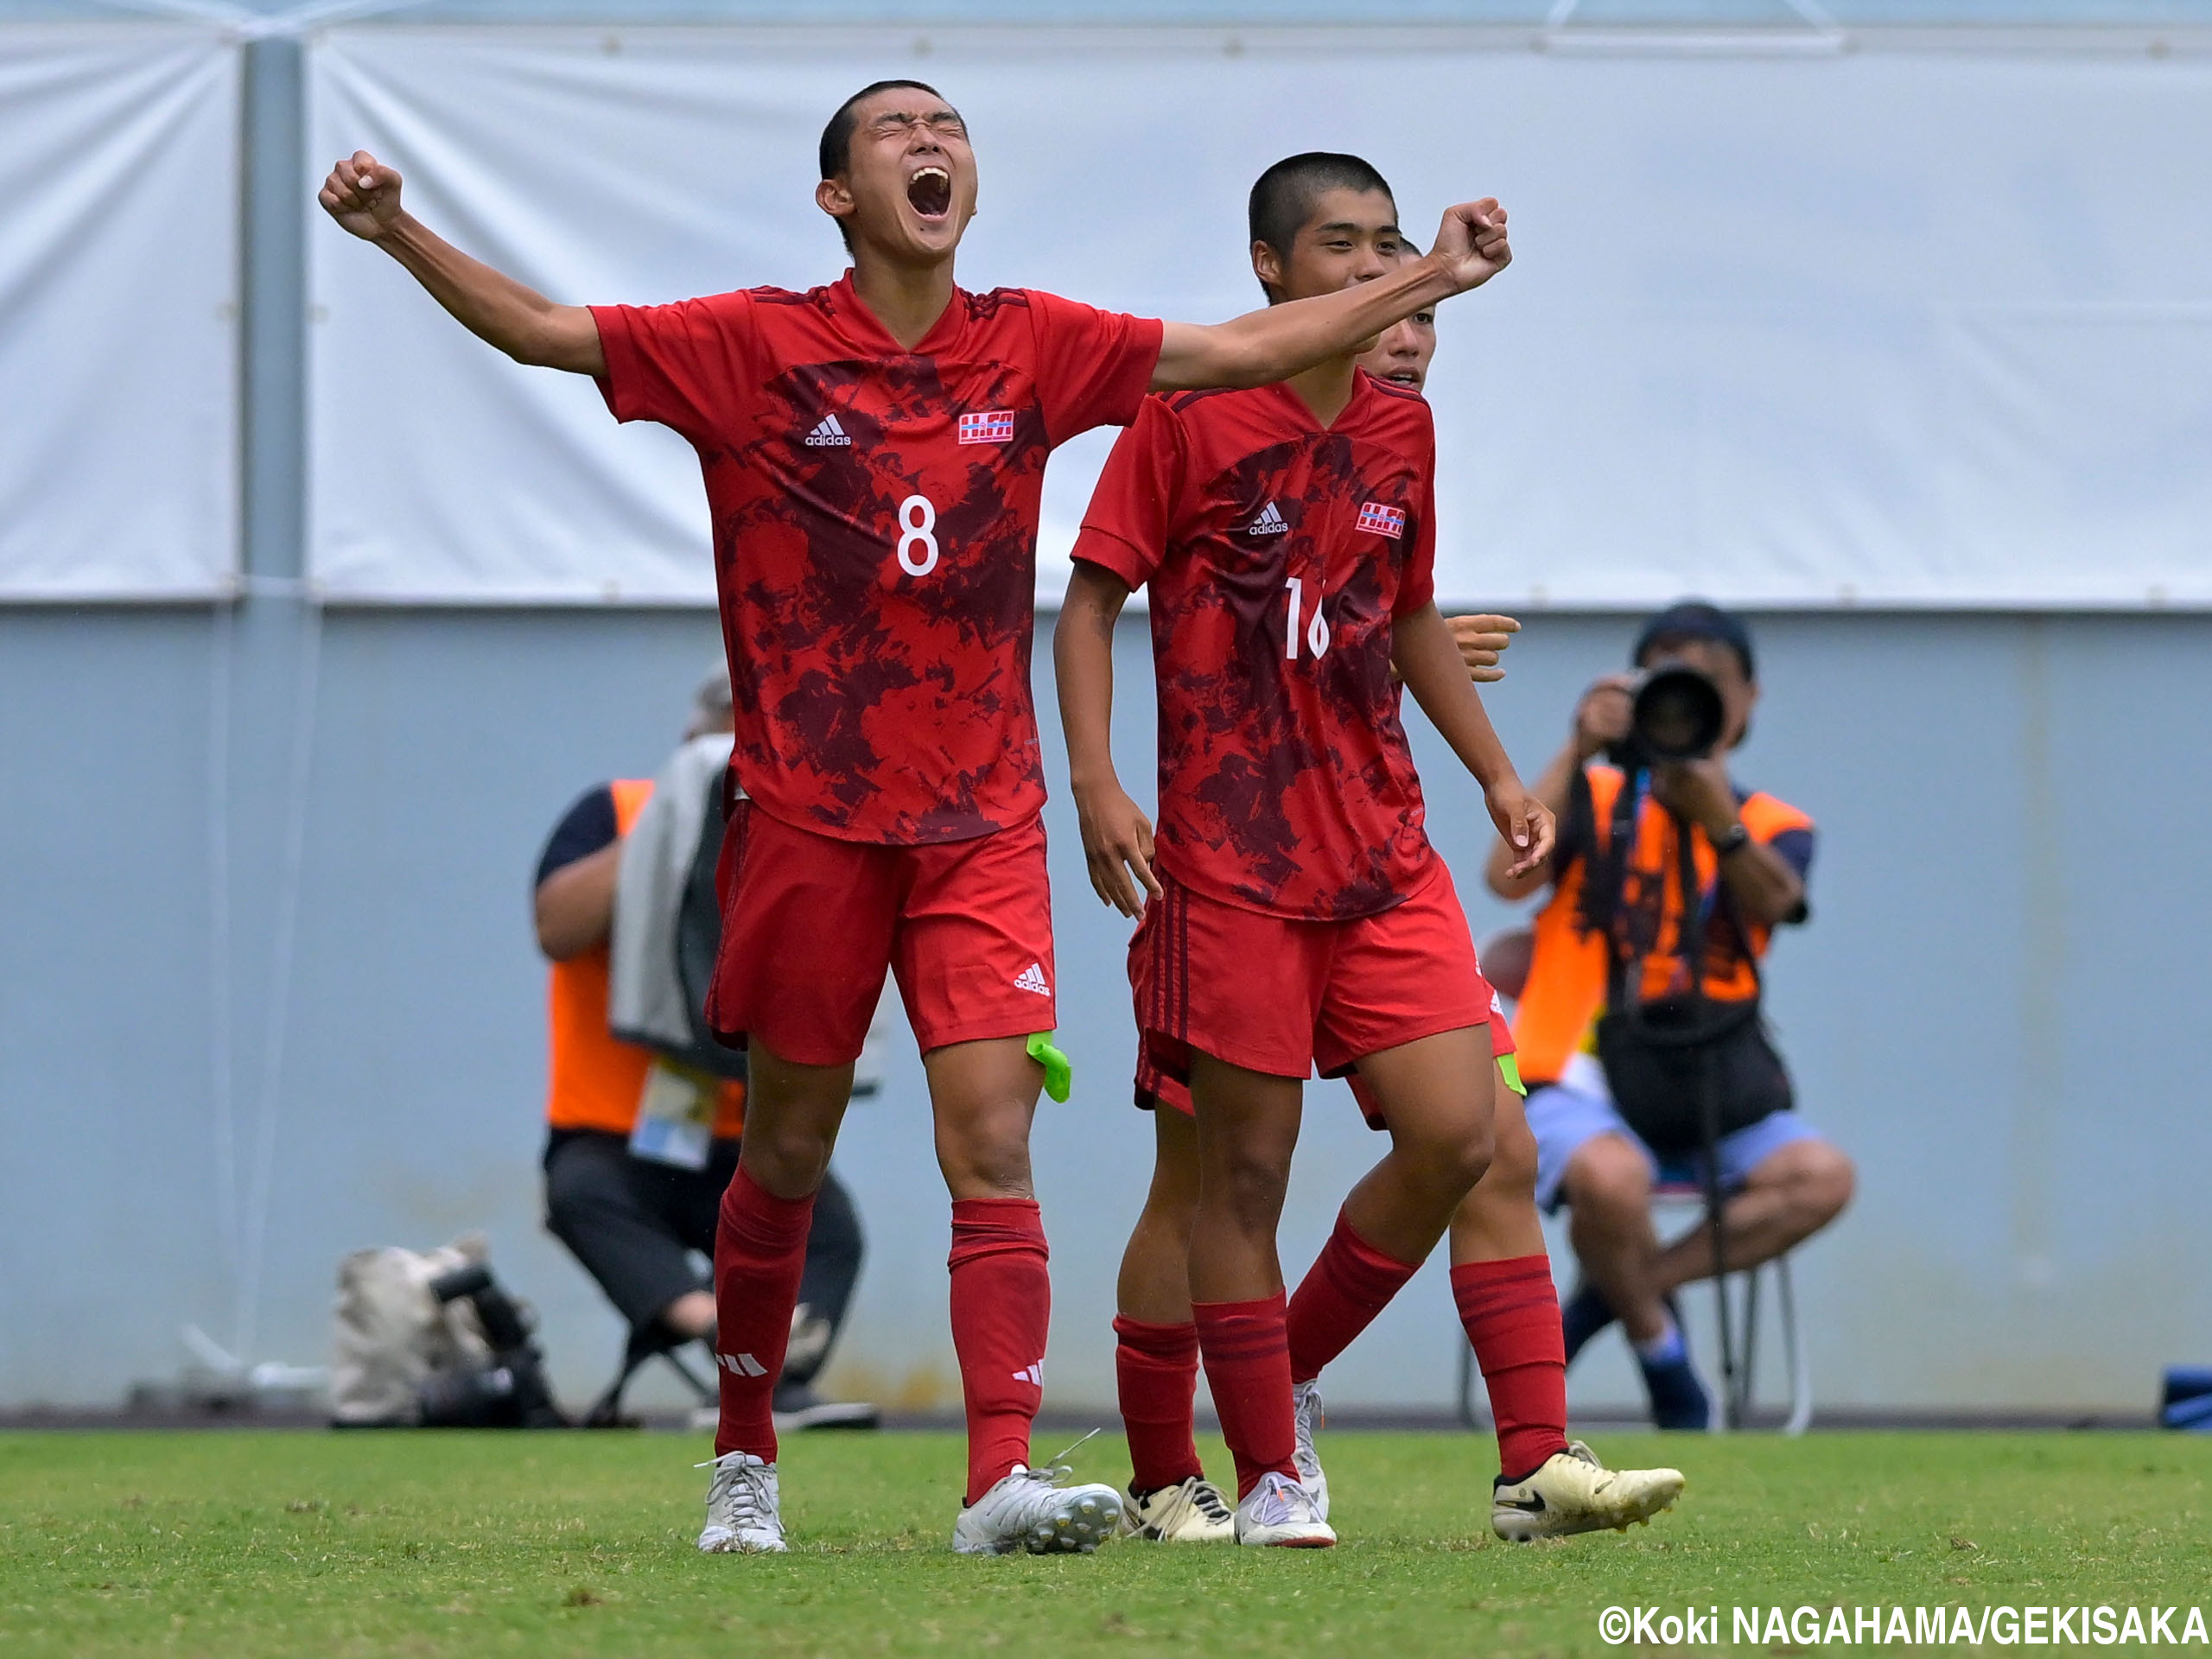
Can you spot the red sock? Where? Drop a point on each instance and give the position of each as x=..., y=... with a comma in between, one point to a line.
x=1157, y=1367
x=760, y=1251
x=1246, y=1353
x=1511, y=1312
x=1349, y=1282
x=1001, y=1307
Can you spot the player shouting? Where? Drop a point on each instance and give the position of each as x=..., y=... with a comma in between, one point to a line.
x=873, y=452
x=1298, y=912
x=1501, y=1276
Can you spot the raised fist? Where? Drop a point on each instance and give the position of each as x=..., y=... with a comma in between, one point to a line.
x=1470, y=244
x=362, y=195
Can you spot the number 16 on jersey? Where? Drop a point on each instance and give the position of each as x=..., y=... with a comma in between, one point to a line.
x=1317, y=631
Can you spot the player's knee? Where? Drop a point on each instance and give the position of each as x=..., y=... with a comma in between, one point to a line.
x=985, y=1154
x=1467, y=1161
x=1169, y=1206
x=1246, y=1185
x=789, y=1159
x=1449, y=1163
x=987, y=1171
x=1512, y=1161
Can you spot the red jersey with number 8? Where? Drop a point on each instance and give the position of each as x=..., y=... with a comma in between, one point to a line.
x=875, y=533
x=1278, y=553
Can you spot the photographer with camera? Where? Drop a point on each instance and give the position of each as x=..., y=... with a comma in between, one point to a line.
x=640, y=1144
x=1639, y=1028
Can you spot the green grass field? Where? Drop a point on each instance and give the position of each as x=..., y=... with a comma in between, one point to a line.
x=293, y=1544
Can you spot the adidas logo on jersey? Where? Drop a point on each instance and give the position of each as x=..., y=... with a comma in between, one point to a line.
x=1033, y=1375
x=1031, y=978
x=743, y=1365
x=1382, y=519
x=1269, y=523
x=827, y=434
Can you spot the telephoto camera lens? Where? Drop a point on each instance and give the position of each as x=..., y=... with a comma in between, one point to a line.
x=1679, y=715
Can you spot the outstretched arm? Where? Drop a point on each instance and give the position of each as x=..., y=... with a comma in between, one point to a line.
x=1117, y=835
x=362, y=195
x=1263, y=346
x=1425, y=653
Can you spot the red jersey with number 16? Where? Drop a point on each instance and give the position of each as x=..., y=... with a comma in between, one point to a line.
x=875, y=533
x=1278, y=554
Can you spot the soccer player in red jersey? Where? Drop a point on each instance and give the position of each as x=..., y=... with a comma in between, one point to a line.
x=1501, y=1275
x=873, y=453
x=1297, y=910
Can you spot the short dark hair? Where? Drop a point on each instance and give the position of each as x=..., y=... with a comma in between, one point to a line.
x=1283, y=196
x=836, y=151
x=1696, y=619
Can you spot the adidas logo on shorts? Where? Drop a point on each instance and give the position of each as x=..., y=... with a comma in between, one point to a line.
x=1031, y=978
x=1269, y=523
x=828, y=433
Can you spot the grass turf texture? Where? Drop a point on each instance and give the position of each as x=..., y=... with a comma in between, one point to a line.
x=250, y=1544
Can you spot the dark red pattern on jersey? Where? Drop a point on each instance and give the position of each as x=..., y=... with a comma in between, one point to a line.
x=1286, y=783
x=878, y=593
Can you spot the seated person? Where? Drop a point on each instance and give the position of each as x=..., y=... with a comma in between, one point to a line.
x=635, y=1222
x=1750, y=852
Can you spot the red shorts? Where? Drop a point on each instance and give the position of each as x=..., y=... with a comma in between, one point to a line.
x=810, y=924
x=1276, y=995
x=1154, y=1088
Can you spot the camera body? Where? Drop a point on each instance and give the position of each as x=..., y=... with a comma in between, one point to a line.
x=1677, y=713
x=511, y=1392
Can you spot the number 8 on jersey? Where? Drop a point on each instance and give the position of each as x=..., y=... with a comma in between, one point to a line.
x=918, y=527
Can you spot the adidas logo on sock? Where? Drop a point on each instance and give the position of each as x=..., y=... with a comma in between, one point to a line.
x=743, y=1365
x=1033, y=1375
x=827, y=434
x=1269, y=523
x=1031, y=978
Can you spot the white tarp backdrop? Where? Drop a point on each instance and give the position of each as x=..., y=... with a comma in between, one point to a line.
x=118, y=301
x=1910, y=325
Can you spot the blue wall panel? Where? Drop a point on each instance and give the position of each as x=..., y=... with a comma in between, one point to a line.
x=1998, y=1006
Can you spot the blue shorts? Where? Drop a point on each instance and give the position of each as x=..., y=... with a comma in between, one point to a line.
x=1565, y=1115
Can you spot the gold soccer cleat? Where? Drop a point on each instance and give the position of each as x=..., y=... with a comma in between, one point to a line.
x=1573, y=1492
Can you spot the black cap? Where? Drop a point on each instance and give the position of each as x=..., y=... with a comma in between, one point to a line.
x=1694, y=619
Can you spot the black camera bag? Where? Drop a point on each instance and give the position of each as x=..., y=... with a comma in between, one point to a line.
x=1684, y=1071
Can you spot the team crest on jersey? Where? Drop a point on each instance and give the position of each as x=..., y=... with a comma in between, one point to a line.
x=827, y=434
x=1269, y=523
x=987, y=426
x=1382, y=519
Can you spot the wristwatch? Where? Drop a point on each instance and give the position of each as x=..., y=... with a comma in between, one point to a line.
x=1738, y=837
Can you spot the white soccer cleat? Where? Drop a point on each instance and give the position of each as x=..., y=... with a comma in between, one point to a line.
x=1573, y=1492
x=1031, y=1509
x=1305, y=1408
x=744, y=1514
x=1280, y=1511
x=1194, y=1512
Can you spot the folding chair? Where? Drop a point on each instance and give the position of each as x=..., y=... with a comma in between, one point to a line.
x=1679, y=1188
x=645, y=1343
